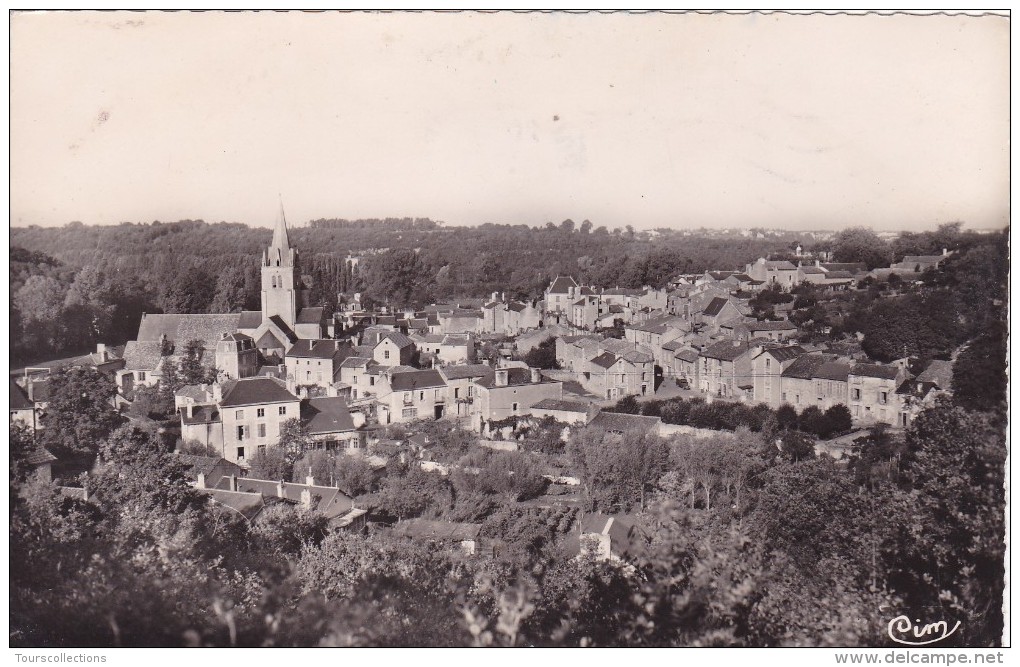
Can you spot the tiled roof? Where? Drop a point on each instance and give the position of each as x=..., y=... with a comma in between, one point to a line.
x=249, y=319
x=213, y=467
x=720, y=275
x=561, y=285
x=399, y=339
x=637, y=357
x=715, y=306
x=811, y=270
x=355, y=362
x=255, y=391
x=286, y=330
x=673, y=345
x=249, y=505
x=201, y=414
x=437, y=530
x=833, y=370
x=196, y=392
x=916, y=388
x=689, y=356
x=922, y=259
x=366, y=351
x=726, y=350
x=326, y=415
x=605, y=360
x=310, y=315
x=839, y=275
x=557, y=404
x=142, y=355
x=618, y=421
x=329, y=500
x=315, y=349
x=417, y=380
x=844, y=266
x=875, y=371
x=39, y=456
x=781, y=265
x=806, y=366
x=515, y=378
x=19, y=399
x=181, y=328
x=939, y=373
x=782, y=325
x=462, y=371
x=517, y=307
x=785, y=353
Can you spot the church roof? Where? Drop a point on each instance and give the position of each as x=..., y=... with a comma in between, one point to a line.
x=183, y=327
x=311, y=315
x=280, y=238
x=250, y=319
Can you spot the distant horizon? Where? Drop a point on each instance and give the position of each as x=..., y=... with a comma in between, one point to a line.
x=659, y=120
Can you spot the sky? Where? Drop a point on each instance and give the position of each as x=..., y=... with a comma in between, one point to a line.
x=653, y=120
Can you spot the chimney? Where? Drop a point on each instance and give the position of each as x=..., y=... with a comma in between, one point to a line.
x=309, y=480
x=306, y=498
x=502, y=377
x=233, y=482
x=945, y=251
x=536, y=376
x=190, y=410
x=280, y=491
x=201, y=481
x=101, y=351
x=217, y=392
x=495, y=296
x=736, y=343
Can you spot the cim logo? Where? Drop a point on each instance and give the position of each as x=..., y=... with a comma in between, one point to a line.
x=904, y=631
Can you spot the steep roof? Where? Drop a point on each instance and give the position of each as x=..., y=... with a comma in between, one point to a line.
x=690, y=356
x=201, y=414
x=715, y=306
x=782, y=325
x=605, y=360
x=938, y=372
x=326, y=415
x=833, y=370
x=286, y=330
x=314, y=349
x=181, y=328
x=417, y=380
x=255, y=391
x=806, y=366
x=561, y=285
x=142, y=355
x=208, y=466
x=399, y=339
x=637, y=357
x=310, y=315
x=355, y=362
x=726, y=350
x=875, y=371
x=462, y=371
x=19, y=399
x=785, y=353
x=249, y=319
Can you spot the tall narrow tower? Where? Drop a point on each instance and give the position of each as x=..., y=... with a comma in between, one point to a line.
x=280, y=275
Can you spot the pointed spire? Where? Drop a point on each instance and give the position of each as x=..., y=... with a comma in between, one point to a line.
x=280, y=239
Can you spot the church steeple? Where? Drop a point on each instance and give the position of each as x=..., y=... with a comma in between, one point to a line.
x=280, y=275
x=281, y=241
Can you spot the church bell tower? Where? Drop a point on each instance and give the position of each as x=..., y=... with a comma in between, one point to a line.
x=280, y=275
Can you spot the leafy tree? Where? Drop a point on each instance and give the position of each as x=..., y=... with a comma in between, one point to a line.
x=797, y=446
x=80, y=413
x=860, y=244
x=616, y=470
x=979, y=372
x=270, y=463
x=353, y=475
x=786, y=415
x=839, y=418
x=416, y=494
x=814, y=421
x=543, y=356
x=192, y=369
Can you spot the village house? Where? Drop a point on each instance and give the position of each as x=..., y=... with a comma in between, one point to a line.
x=566, y=412
x=354, y=374
x=393, y=349
x=236, y=356
x=22, y=410
x=460, y=382
x=872, y=393
x=459, y=320
x=780, y=272
x=726, y=368
x=797, y=382
x=511, y=391
x=419, y=394
x=252, y=411
x=719, y=311
x=331, y=426
x=316, y=363
x=558, y=298
x=748, y=329
x=921, y=263
x=611, y=376
x=767, y=368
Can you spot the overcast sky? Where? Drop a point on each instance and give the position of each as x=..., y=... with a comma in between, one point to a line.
x=802, y=122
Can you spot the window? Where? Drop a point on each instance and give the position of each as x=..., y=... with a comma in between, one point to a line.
x=262, y=430
x=319, y=377
x=308, y=375
x=456, y=392
x=371, y=381
x=409, y=413
x=283, y=409
x=141, y=376
x=239, y=414
x=855, y=394
x=421, y=395
x=768, y=363
x=260, y=412
x=386, y=354
x=883, y=397
x=515, y=407
x=241, y=432
x=240, y=453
